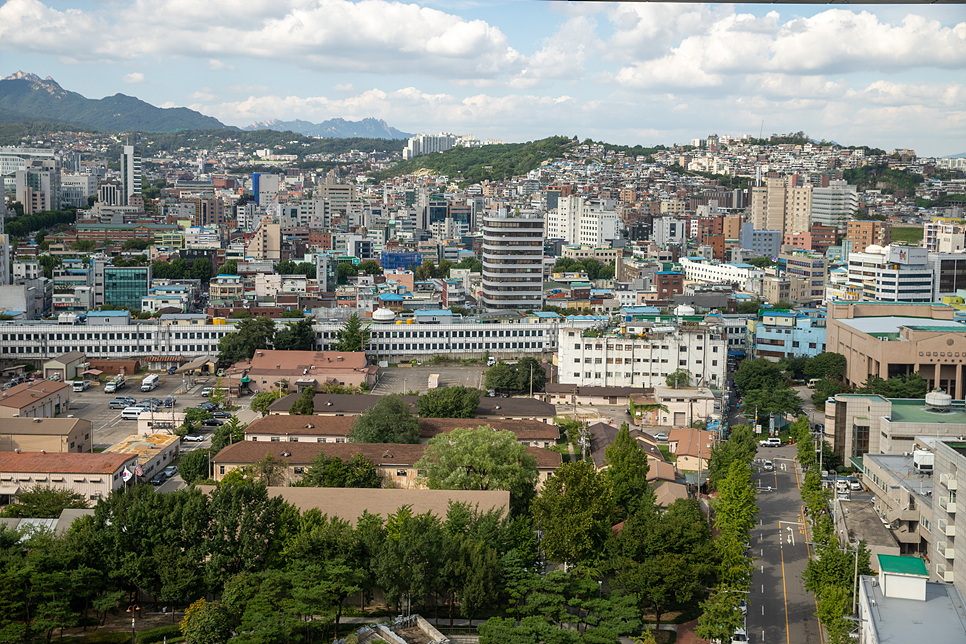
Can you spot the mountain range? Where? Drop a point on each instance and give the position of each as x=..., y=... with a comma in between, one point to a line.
x=26, y=97
x=368, y=128
x=35, y=99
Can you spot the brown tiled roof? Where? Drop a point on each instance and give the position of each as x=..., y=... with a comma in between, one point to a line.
x=349, y=503
x=556, y=388
x=293, y=363
x=70, y=463
x=42, y=426
x=29, y=392
x=692, y=442
x=341, y=426
x=378, y=453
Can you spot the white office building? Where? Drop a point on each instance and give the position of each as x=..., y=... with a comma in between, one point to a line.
x=703, y=270
x=644, y=358
x=668, y=231
x=583, y=222
x=834, y=205
x=891, y=274
x=130, y=173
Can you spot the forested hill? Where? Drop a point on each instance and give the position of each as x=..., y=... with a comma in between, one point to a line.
x=496, y=162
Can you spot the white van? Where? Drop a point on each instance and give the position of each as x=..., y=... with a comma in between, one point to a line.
x=131, y=413
x=774, y=441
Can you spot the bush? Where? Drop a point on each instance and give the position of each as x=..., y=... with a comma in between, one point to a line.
x=107, y=637
x=158, y=634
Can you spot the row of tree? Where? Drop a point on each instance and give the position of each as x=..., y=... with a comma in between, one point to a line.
x=595, y=269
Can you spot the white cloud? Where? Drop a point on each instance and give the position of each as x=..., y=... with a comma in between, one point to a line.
x=217, y=65
x=133, y=77
x=204, y=95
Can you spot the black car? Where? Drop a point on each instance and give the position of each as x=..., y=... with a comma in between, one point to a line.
x=221, y=414
x=212, y=422
x=207, y=406
x=159, y=478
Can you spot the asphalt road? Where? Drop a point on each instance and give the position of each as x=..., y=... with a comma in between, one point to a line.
x=779, y=608
x=399, y=380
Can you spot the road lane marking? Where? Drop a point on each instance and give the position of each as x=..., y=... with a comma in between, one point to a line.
x=785, y=600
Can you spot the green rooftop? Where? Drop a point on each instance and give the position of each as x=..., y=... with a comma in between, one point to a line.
x=914, y=410
x=902, y=565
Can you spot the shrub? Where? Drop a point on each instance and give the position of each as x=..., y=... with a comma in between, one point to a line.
x=107, y=637
x=158, y=634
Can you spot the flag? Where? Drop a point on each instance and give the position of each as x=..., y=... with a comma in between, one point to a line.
x=126, y=475
x=138, y=470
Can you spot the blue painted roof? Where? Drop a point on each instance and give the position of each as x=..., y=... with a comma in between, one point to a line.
x=390, y=297
x=546, y=314
x=110, y=314
x=668, y=273
x=433, y=312
x=743, y=265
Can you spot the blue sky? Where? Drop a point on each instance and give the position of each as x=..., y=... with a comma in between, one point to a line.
x=891, y=76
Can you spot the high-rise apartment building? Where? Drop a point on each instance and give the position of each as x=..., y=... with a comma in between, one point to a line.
x=863, y=234
x=835, y=204
x=781, y=203
x=512, y=263
x=38, y=185
x=265, y=187
x=130, y=174
x=428, y=143
x=578, y=221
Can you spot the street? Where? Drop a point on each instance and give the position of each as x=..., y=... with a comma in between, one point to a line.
x=779, y=608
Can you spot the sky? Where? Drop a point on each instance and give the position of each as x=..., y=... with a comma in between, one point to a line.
x=889, y=76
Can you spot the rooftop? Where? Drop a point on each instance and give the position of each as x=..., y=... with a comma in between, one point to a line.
x=902, y=469
x=940, y=618
x=21, y=395
x=902, y=565
x=42, y=426
x=912, y=410
x=144, y=446
x=69, y=463
x=892, y=324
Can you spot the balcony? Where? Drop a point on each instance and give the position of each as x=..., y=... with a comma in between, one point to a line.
x=946, y=550
x=947, y=529
x=948, y=506
x=944, y=574
x=907, y=513
x=949, y=481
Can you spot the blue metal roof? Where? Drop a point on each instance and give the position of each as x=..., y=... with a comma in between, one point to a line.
x=433, y=312
x=110, y=314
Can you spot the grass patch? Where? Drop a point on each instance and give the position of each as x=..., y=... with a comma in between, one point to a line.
x=668, y=456
x=907, y=234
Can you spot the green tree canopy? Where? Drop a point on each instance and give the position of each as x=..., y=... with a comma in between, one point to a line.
x=263, y=399
x=759, y=373
x=388, y=421
x=229, y=268
x=369, y=267
x=252, y=334
x=43, y=502
x=296, y=337
x=344, y=271
x=305, y=404
x=627, y=469
x=332, y=471
x=912, y=385
x=353, y=336
x=480, y=459
x=679, y=378
x=826, y=365
x=575, y=509
x=450, y=402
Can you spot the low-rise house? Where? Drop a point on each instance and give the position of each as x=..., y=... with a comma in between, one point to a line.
x=65, y=367
x=691, y=448
x=297, y=370
x=395, y=462
x=335, y=429
x=52, y=435
x=684, y=405
x=558, y=394
x=37, y=399
x=93, y=476
x=154, y=452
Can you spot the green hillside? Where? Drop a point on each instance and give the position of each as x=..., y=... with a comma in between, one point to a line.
x=496, y=162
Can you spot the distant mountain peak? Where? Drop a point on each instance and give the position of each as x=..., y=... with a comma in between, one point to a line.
x=333, y=128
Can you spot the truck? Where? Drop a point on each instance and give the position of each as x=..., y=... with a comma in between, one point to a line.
x=81, y=385
x=150, y=383
x=114, y=385
x=433, y=381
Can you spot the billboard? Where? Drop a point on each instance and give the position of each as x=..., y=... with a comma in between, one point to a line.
x=907, y=255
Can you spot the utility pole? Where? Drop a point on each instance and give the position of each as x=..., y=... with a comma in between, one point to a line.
x=531, y=380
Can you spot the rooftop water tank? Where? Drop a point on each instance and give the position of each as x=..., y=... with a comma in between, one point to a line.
x=683, y=309
x=383, y=315
x=938, y=400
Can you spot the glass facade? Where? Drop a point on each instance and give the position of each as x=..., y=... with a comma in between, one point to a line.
x=126, y=286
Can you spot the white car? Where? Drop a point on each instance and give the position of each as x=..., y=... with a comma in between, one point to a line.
x=194, y=438
x=768, y=466
x=740, y=637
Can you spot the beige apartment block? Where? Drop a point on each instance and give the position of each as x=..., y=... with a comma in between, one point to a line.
x=93, y=476
x=53, y=435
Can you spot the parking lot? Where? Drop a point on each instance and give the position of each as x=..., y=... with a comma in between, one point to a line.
x=400, y=380
x=109, y=427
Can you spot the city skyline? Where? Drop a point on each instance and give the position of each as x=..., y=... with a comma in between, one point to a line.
x=626, y=73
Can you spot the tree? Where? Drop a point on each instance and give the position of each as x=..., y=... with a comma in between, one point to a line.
x=574, y=510
x=305, y=268
x=370, y=267
x=206, y=623
x=252, y=334
x=229, y=268
x=530, y=371
x=352, y=336
x=450, y=402
x=136, y=244
x=84, y=245
x=826, y=365
x=679, y=378
x=759, y=373
x=741, y=446
x=501, y=377
x=263, y=399
x=626, y=472
x=781, y=400
x=305, y=405
x=195, y=465
x=388, y=421
x=761, y=262
x=912, y=385
x=480, y=459
x=43, y=502
x=749, y=308
x=720, y=616
x=230, y=433
x=332, y=471
x=344, y=271
x=296, y=337
x=735, y=508
x=285, y=267
x=201, y=269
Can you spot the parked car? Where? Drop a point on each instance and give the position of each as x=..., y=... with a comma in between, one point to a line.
x=170, y=471
x=158, y=479
x=661, y=436
x=774, y=441
x=768, y=466
x=854, y=483
x=207, y=406
x=172, y=370
x=170, y=402
x=207, y=391
x=117, y=403
x=740, y=636
x=129, y=399
x=220, y=414
x=212, y=422
x=194, y=438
